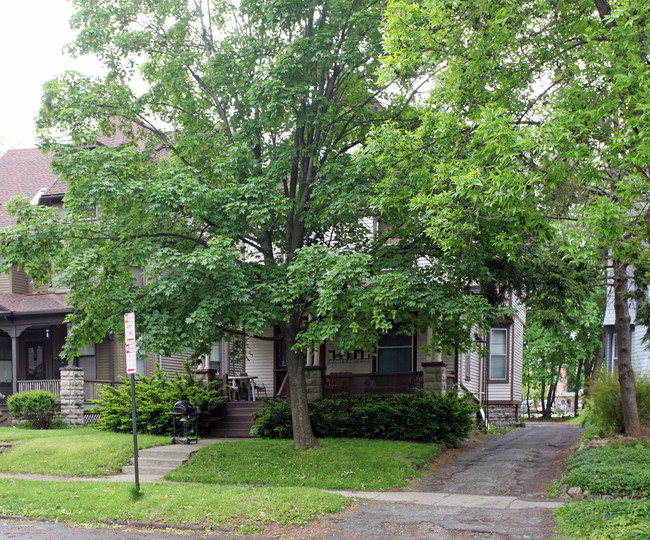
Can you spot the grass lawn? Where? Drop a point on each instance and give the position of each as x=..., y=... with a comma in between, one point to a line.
x=260, y=482
x=348, y=464
x=69, y=452
x=243, y=510
x=622, y=470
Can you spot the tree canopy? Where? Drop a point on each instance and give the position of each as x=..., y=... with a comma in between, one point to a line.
x=239, y=190
x=538, y=109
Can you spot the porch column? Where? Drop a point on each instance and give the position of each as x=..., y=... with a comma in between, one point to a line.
x=434, y=377
x=314, y=380
x=14, y=334
x=72, y=396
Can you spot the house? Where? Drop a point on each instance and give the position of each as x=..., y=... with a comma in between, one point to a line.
x=34, y=331
x=640, y=353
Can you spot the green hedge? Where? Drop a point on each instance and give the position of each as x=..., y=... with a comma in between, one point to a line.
x=37, y=407
x=423, y=416
x=155, y=397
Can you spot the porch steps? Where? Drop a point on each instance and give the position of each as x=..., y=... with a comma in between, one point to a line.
x=237, y=420
x=158, y=461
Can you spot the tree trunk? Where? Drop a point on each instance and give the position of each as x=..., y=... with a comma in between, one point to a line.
x=303, y=436
x=623, y=340
x=576, y=394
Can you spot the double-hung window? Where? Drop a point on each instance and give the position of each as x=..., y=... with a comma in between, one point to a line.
x=394, y=352
x=499, y=354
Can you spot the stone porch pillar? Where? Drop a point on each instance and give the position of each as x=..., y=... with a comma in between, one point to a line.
x=314, y=380
x=434, y=377
x=72, y=396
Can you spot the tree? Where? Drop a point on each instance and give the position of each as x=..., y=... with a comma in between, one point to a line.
x=546, y=101
x=249, y=211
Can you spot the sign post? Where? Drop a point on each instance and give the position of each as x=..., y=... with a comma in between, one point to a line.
x=131, y=363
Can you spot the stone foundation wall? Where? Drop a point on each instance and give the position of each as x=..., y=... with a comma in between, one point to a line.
x=72, y=396
x=503, y=416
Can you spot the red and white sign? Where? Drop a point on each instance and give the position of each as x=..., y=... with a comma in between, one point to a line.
x=129, y=340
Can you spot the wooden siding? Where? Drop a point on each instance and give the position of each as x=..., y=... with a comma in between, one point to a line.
x=20, y=282
x=517, y=359
x=173, y=363
x=259, y=360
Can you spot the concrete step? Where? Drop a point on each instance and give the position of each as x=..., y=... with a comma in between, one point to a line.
x=155, y=462
x=149, y=471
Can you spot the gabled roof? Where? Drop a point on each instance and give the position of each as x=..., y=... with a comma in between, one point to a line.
x=23, y=172
x=21, y=304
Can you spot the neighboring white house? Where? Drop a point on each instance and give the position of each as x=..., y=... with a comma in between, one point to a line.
x=639, y=348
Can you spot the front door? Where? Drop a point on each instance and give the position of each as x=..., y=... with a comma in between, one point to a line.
x=35, y=355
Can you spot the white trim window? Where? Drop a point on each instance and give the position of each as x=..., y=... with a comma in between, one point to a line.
x=394, y=352
x=498, y=354
x=213, y=360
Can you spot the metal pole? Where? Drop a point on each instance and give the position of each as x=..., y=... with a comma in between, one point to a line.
x=135, y=434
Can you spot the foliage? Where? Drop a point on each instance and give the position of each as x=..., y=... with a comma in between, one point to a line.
x=536, y=111
x=37, y=407
x=69, y=452
x=607, y=402
x=349, y=464
x=425, y=417
x=615, y=469
x=155, y=397
x=604, y=520
x=251, y=213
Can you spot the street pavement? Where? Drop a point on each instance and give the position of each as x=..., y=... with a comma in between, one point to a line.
x=490, y=488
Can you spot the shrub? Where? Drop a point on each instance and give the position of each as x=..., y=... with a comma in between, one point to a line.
x=154, y=399
x=37, y=407
x=423, y=416
x=606, y=393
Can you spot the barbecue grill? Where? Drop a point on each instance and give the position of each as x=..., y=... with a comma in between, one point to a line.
x=184, y=420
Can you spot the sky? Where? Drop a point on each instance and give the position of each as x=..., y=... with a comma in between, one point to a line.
x=32, y=36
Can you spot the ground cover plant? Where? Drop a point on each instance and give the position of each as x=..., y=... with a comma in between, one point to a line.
x=423, y=416
x=615, y=469
x=620, y=470
x=337, y=464
x=604, y=520
x=242, y=509
x=69, y=452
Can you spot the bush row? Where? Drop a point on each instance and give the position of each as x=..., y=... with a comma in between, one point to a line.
x=423, y=416
x=155, y=397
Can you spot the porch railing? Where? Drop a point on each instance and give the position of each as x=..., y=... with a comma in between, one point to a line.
x=380, y=384
x=54, y=386
x=51, y=385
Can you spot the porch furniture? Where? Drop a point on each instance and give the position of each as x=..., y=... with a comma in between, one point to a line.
x=261, y=387
x=245, y=383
